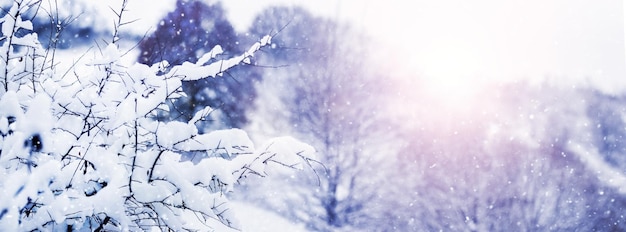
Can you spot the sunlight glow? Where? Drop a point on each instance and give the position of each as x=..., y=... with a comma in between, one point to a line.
x=450, y=74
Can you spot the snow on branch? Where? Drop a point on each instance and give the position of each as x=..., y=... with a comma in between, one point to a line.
x=85, y=152
x=199, y=70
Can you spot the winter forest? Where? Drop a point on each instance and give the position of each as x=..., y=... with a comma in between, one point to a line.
x=301, y=121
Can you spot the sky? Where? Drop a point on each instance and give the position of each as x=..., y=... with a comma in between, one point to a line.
x=456, y=45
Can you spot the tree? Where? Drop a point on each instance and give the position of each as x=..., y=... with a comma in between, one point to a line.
x=84, y=151
x=331, y=97
x=512, y=167
x=607, y=114
x=76, y=24
x=191, y=30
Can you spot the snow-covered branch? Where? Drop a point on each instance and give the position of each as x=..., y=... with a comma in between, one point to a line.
x=88, y=152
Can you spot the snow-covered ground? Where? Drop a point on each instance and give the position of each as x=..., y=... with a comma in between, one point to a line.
x=260, y=220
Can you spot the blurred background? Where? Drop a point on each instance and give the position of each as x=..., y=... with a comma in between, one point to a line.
x=426, y=115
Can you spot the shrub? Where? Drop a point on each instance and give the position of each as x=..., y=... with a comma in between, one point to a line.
x=82, y=149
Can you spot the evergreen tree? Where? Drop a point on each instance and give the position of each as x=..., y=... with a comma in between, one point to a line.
x=191, y=30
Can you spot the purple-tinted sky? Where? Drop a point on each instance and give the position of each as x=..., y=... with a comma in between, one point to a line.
x=455, y=44
x=574, y=42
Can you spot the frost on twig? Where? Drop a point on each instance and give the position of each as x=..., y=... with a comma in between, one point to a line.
x=85, y=151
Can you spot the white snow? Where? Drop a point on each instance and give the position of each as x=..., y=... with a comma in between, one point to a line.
x=255, y=219
x=217, y=50
x=606, y=173
x=103, y=151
